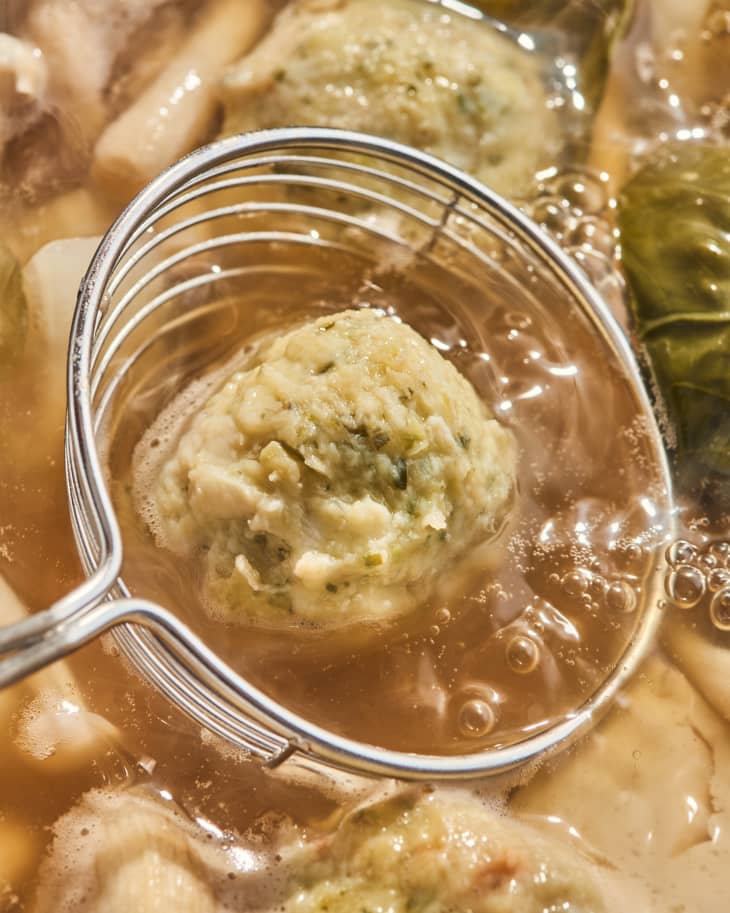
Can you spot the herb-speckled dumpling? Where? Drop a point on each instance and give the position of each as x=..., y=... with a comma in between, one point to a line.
x=440, y=852
x=336, y=477
x=407, y=70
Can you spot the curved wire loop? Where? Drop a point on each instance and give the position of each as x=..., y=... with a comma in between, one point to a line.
x=225, y=201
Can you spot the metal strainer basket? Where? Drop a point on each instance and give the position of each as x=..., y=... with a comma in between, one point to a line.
x=205, y=224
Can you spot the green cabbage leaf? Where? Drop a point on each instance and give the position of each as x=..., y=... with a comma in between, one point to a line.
x=674, y=218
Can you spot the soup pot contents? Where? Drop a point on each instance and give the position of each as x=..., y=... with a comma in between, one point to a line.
x=418, y=851
x=433, y=852
x=422, y=516
x=328, y=481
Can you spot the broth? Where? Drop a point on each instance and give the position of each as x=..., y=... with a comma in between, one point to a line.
x=645, y=796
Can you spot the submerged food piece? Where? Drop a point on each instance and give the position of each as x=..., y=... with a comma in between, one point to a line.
x=675, y=237
x=16, y=858
x=46, y=719
x=124, y=852
x=442, y=851
x=405, y=70
x=13, y=316
x=649, y=794
x=335, y=478
x=51, y=279
x=22, y=85
x=175, y=112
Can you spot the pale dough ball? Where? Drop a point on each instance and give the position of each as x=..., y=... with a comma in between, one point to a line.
x=336, y=478
x=407, y=70
x=444, y=851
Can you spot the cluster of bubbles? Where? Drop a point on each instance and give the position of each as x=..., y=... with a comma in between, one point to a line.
x=597, y=592
x=696, y=574
x=571, y=205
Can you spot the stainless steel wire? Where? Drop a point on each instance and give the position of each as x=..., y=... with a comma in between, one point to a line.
x=337, y=192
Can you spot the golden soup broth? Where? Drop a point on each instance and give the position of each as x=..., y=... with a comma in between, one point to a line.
x=511, y=643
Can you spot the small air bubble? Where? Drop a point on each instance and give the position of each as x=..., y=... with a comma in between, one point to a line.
x=685, y=586
x=720, y=609
x=720, y=551
x=717, y=579
x=681, y=552
x=522, y=654
x=575, y=583
x=476, y=718
x=620, y=597
x=598, y=586
x=443, y=616
x=581, y=191
x=634, y=553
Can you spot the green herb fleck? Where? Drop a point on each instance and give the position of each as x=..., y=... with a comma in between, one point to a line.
x=400, y=473
x=466, y=105
x=331, y=587
x=464, y=440
x=373, y=559
x=380, y=439
x=325, y=368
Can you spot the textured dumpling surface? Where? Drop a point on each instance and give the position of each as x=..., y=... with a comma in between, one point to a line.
x=442, y=852
x=407, y=70
x=335, y=477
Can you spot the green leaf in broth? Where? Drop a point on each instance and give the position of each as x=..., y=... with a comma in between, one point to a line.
x=13, y=313
x=674, y=218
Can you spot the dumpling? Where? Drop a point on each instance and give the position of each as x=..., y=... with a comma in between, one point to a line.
x=406, y=70
x=440, y=851
x=334, y=478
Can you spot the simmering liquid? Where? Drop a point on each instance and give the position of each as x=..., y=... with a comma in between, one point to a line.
x=526, y=629
x=514, y=640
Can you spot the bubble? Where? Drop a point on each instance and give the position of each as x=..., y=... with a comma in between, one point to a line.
x=443, y=616
x=708, y=561
x=620, y=597
x=594, y=234
x=575, y=583
x=681, y=552
x=720, y=609
x=476, y=718
x=685, y=586
x=552, y=214
x=634, y=553
x=598, y=586
x=581, y=191
x=720, y=550
x=522, y=654
x=717, y=579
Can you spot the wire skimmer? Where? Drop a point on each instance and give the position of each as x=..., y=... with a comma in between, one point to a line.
x=243, y=199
